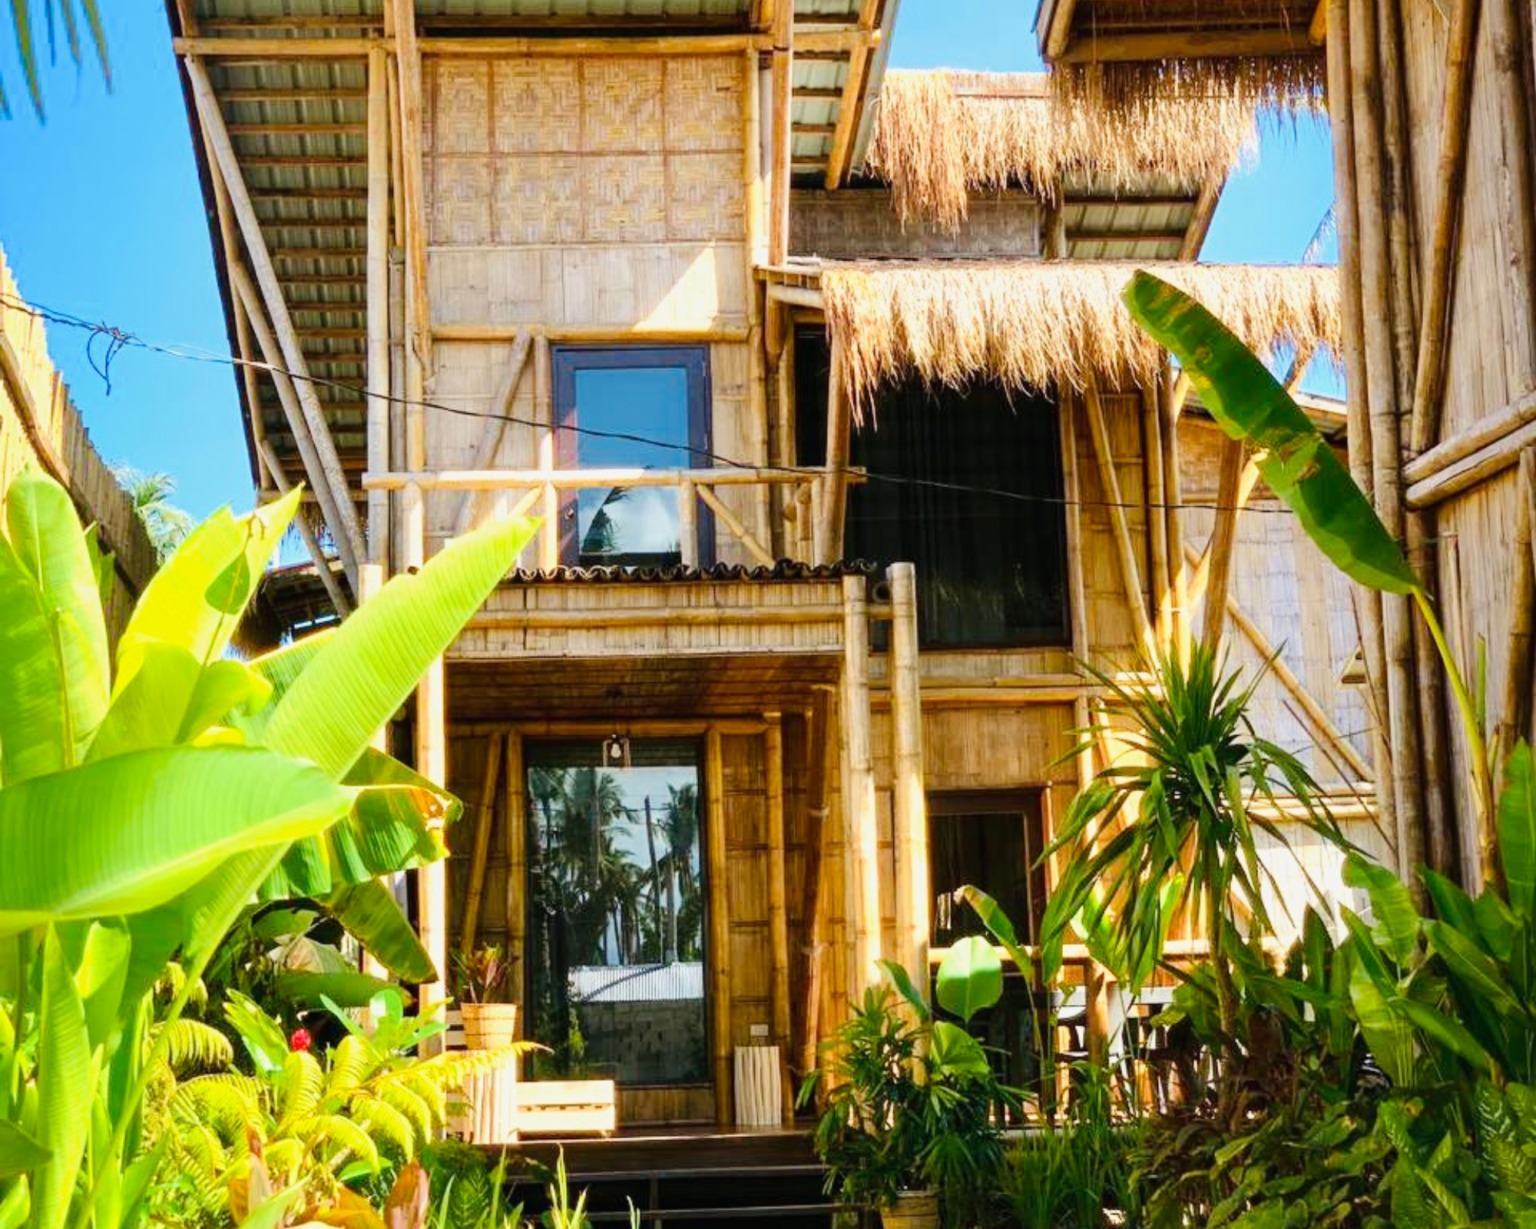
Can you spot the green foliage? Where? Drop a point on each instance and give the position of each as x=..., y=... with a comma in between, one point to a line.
x=911, y=1103
x=356, y=1114
x=145, y=801
x=24, y=19
x=1172, y=826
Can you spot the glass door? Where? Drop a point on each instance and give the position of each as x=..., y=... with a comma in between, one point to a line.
x=616, y=903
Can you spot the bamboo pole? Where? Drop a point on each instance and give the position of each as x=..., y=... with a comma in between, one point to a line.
x=379, y=406
x=782, y=83
x=345, y=528
x=1450, y=189
x=1515, y=710
x=480, y=853
x=333, y=590
x=861, y=816
x=819, y=836
x=719, y=922
x=413, y=198
x=516, y=812
x=576, y=479
x=778, y=911
x=1200, y=577
x=1472, y=469
x=1381, y=394
x=1130, y=573
x=1509, y=47
x=1398, y=201
x=1322, y=724
x=495, y=428
x=732, y=522
x=829, y=529
x=544, y=396
x=688, y=522
x=1077, y=593
x=908, y=801
x=1173, y=495
x=1157, y=522
x=1223, y=536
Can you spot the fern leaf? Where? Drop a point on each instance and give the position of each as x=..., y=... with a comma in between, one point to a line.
x=411, y=1107
x=353, y=1062
x=349, y=1138
x=387, y=1124
x=226, y=1103
x=192, y=1045
x=303, y=1088
x=432, y=1094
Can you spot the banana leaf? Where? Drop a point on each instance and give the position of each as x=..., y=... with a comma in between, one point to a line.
x=373, y=917
x=1249, y=404
x=1517, y=830
x=970, y=978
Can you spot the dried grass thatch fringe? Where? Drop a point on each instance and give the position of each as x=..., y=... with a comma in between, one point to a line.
x=1046, y=325
x=940, y=135
x=1291, y=84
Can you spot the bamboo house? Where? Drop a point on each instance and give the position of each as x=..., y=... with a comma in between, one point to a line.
x=844, y=453
x=1431, y=107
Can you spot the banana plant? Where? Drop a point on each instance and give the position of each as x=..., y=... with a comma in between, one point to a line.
x=1299, y=465
x=147, y=798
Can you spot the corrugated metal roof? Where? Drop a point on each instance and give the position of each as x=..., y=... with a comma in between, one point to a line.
x=681, y=981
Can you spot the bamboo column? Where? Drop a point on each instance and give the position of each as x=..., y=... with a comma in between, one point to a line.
x=495, y=428
x=1157, y=521
x=345, y=529
x=819, y=835
x=829, y=528
x=719, y=923
x=281, y=484
x=782, y=82
x=1173, y=497
x=862, y=842
x=485, y=815
x=544, y=396
x=908, y=802
x=1515, y=710
x=778, y=911
x=1381, y=393
x=379, y=406
x=1223, y=535
x=1130, y=573
x=516, y=812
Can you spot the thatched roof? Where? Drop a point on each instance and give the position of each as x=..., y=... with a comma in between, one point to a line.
x=941, y=135
x=1048, y=324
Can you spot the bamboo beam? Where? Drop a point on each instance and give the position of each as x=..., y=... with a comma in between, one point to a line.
x=1223, y=536
x=719, y=922
x=497, y=46
x=253, y=49
x=1450, y=184
x=819, y=836
x=1322, y=724
x=859, y=57
x=778, y=912
x=1130, y=573
x=1515, y=710
x=834, y=483
x=836, y=42
x=345, y=528
x=516, y=812
x=1470, y=470
x=494, y=429
x=333, y=590
x=480, y=852
x=861, y=816
x=732, y=522
x=288, y=397
x=1488, y=429
x=908, y=800
x=1188, y=45
x=577, y=479
x=586, y=334
x=379, y=405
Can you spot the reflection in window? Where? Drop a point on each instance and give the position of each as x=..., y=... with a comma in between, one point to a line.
x=635, y=407
x=616, y=913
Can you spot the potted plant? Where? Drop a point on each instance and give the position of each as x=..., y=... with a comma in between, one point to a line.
x=912, y=1111
x=488, y=1023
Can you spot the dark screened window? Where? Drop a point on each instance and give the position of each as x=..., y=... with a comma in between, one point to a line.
x=993, y=841
x=969, y=490
x=629, y=407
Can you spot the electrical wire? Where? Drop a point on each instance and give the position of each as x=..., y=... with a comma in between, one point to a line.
x=119, y=339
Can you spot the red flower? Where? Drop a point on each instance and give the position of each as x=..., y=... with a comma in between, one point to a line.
x=300, y=1040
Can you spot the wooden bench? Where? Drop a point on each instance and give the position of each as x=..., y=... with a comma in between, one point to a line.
x=566, y=1107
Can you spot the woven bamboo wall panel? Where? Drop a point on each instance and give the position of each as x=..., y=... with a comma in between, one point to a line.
x=615, y=151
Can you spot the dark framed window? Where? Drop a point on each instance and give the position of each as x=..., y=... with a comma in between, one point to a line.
x=992, y=840
x=630, y=407
x=616, y=964
x=970, y=491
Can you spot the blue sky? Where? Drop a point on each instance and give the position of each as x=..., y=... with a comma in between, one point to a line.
x=101, y=216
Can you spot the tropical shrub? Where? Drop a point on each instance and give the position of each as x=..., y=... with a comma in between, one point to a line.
x=911, y=1102
x=146, y=801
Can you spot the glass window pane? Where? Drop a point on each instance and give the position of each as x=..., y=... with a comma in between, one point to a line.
x=616, y=913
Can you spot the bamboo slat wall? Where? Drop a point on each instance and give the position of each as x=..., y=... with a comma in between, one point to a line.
x=594, y=201
x=40, y=426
